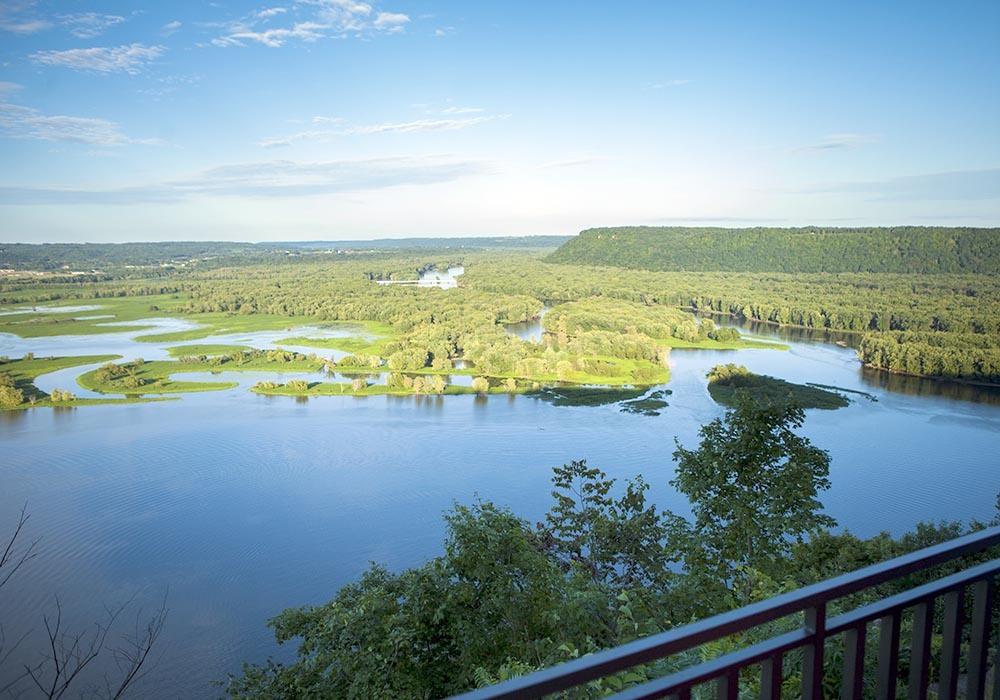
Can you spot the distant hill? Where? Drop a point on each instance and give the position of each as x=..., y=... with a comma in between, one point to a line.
x=387, y=243
x=87, y=256
x=902, y=249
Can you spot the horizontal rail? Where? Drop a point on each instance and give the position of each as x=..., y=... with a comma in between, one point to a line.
x=579, y=671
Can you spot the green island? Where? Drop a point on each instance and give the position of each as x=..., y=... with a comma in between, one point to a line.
x=726, y=381
x=18, y=390
x=139, y=377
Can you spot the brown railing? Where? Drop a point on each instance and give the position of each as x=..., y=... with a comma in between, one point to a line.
x=946, y=595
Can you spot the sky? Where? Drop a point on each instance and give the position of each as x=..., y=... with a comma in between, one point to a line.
x=351, y=119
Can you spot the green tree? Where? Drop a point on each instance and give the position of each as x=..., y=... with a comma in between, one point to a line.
x=10, y=397
x=753, y=485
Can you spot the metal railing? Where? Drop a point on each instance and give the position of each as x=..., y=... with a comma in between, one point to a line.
x=918, y=604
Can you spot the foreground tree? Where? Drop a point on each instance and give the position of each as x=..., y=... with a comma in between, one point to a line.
x=753, y=484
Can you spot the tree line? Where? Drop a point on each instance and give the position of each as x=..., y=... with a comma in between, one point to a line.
x=900, y=249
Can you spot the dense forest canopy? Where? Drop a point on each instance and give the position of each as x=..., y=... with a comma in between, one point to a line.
x=951, y=320
x=903, y=249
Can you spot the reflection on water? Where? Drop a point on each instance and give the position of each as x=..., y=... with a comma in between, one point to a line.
x=918, y=386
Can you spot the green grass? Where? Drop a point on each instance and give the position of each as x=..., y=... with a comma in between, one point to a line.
x=344, y=389
x=157, y=375
x=24, y=373
x=585, y=395
x=205, y=349
x=224, y=324
x=35, y=325
x=355, y=345
x=650, y=405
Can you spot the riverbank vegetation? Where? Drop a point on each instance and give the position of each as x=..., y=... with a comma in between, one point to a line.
x=725, y=382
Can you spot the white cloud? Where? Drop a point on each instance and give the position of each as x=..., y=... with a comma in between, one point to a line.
x=130, y=58
x=462, y=110
x=18, y=17
x=87, y=25
x=171, y=28
x=840, y=141
x=19, y=122
x=269, y=179
x=310, y=20
x=270, y=12
x=390, y=21
x=6, y=87
x=419, y=125
x=306, y=31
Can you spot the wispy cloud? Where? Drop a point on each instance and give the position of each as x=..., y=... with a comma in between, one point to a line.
x=962, y=185
x=19, y=122
x=278, y=178
x=19, y=17
x=309, y=21
x=462, y=110
x=840, y=141
x=87, y=25
x=7, y=88
x=130, y=58
x=170, y=28
x=419, y=125
x=390, y=21
x=270, y=12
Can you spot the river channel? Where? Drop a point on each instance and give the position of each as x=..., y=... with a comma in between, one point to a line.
x=237, y=505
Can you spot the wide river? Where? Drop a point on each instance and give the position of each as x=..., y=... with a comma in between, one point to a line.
x=236, y=505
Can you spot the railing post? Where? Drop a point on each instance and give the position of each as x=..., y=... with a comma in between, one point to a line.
x=920, y=650
x=888, y=657
x=951, y=644
x=854, y=663
x=770, y=678
x=980, y=639
x=812, y=658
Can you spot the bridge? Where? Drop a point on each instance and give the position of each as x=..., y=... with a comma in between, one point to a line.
x=946, y=653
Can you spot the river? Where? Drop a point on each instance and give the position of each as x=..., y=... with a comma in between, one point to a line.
x=237, y=505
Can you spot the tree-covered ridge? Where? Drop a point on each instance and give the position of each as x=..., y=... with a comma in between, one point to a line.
x=77, y=256
x=904, y=249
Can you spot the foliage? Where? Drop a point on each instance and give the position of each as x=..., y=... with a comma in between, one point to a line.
x=965, y=356
x=725, y=382
x=503, y=599
x=905, y=249
x=753, y=486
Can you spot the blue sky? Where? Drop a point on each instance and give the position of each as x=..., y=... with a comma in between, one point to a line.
x=337, y=119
